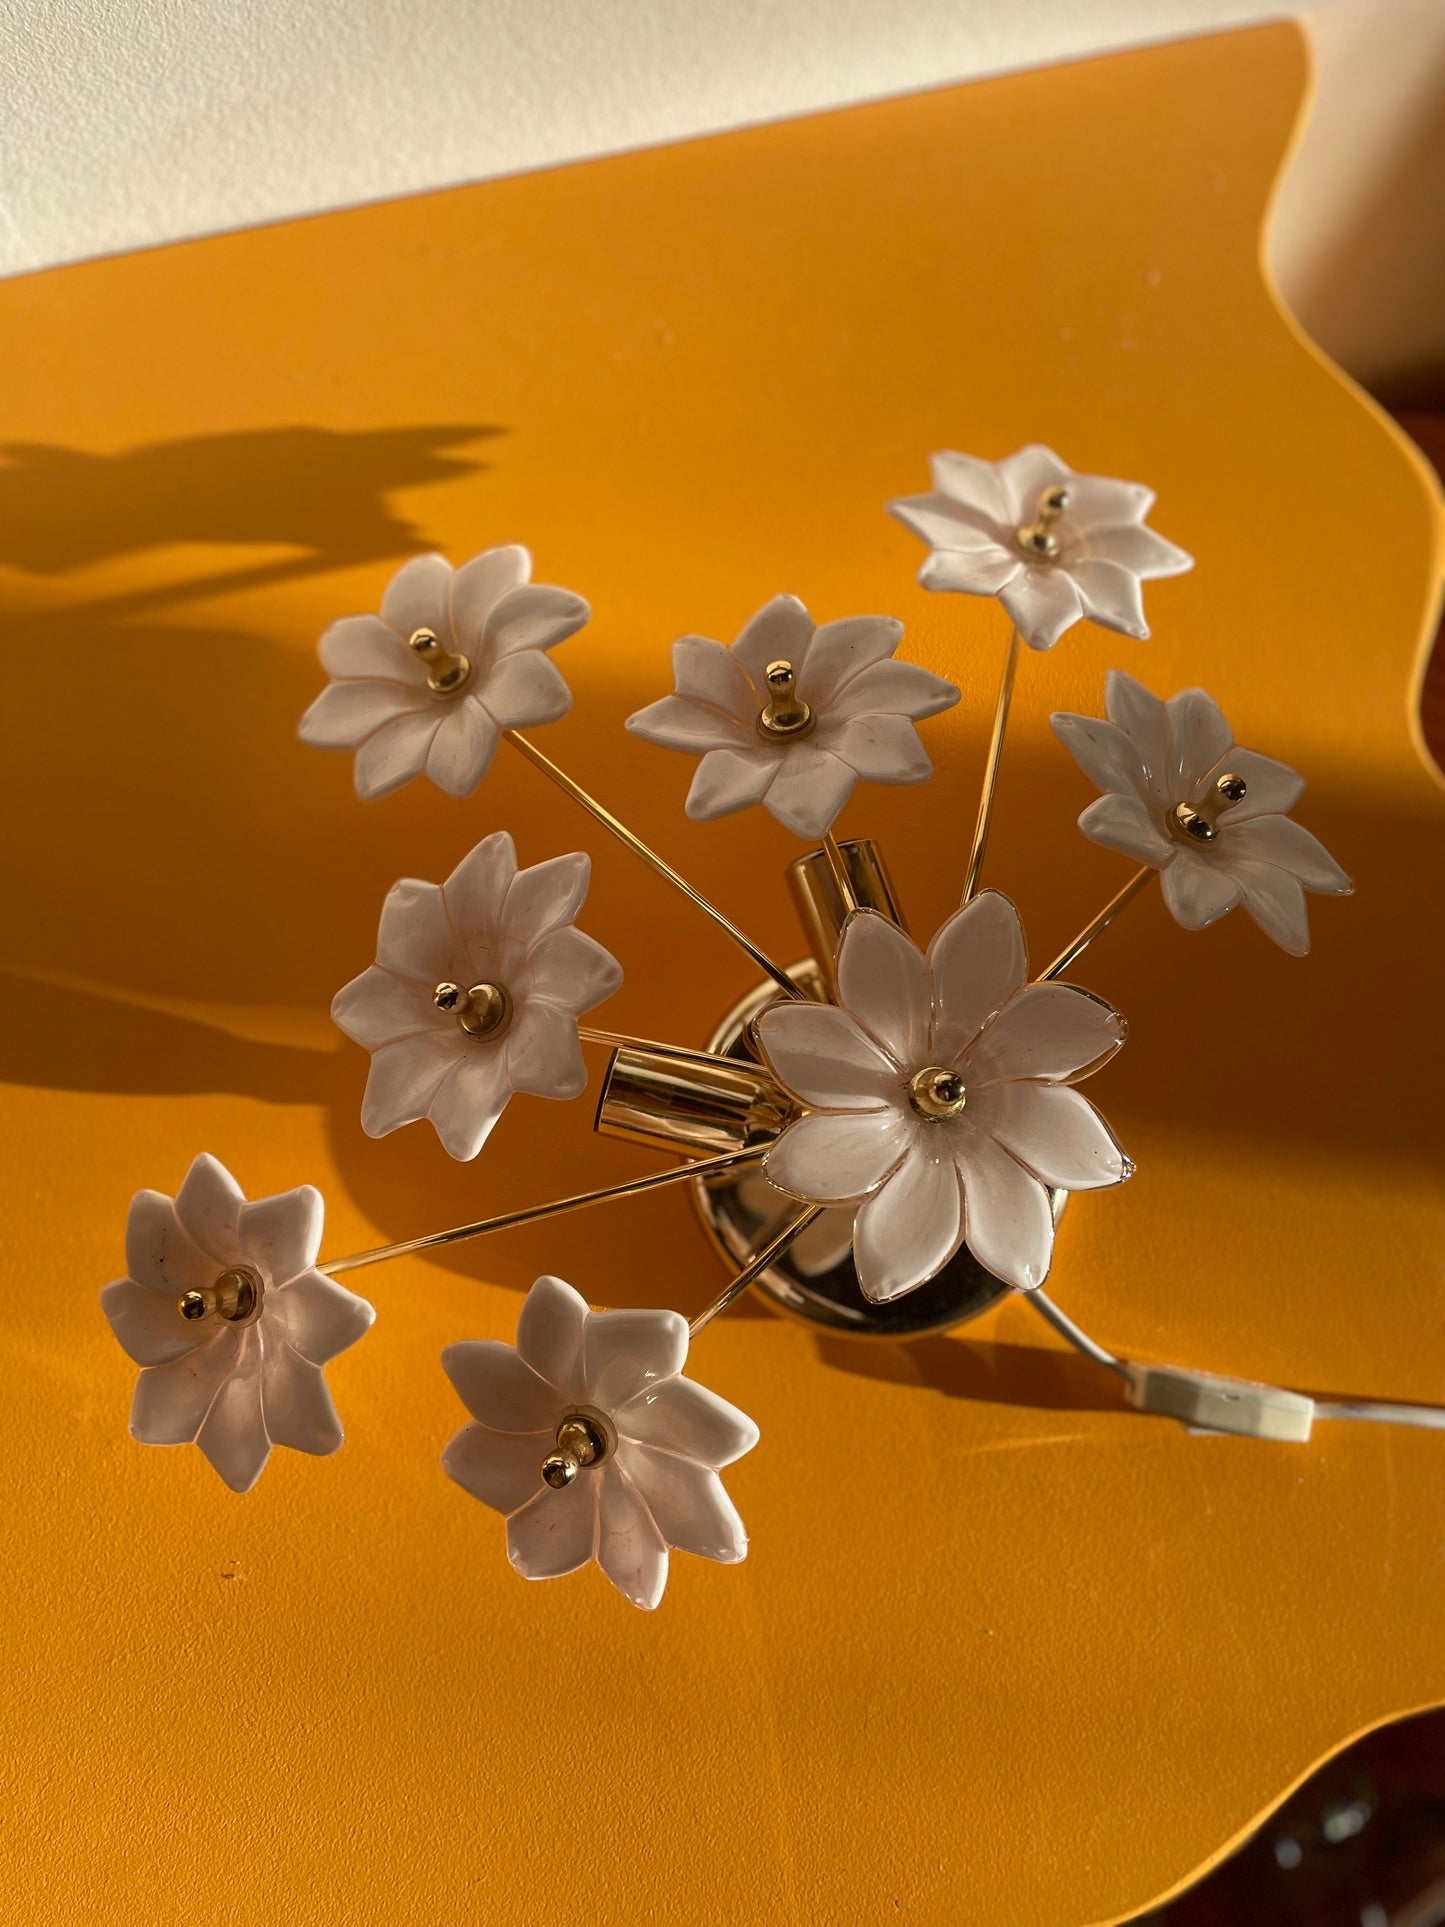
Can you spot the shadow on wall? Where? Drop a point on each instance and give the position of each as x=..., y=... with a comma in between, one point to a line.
x=176, y=844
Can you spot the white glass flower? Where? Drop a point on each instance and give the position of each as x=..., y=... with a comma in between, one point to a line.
x=794, y=716
x=475, y=993
x=938, y=1094
x=591, y=1443
x=1051, y=545
x=230, y=1320
x=454, y=658
x=1183, y=797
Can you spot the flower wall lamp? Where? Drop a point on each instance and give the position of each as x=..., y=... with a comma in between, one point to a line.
x=881, y=1138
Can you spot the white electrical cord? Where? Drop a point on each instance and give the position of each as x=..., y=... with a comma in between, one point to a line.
x=1206, y=1402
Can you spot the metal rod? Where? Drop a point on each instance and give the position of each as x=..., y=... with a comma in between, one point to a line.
x=990, y=773
x=794, y=1228
x=650, y=857
x=840, y=872
x=1106, y=916
x=699, y=1168
x=618, y=1040
x=1066, y=1328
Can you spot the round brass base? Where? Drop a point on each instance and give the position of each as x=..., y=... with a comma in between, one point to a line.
x=815, y=1279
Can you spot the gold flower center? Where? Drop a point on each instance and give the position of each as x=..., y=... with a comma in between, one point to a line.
x=1199, y=822
x=1039, y=540
x=445, y=672
x=936, y=1093
x=786, y=714
x=482, y=1011
x=235, y=1296
x=583, y=1438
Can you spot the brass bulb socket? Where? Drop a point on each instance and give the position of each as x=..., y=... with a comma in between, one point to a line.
x=676, y=1103
x=819, y=902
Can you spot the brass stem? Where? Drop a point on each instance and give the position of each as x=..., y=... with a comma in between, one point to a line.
x=840, y=872
x=700, y=1168
x=650, y=857
x=618, y=1040
x=990, y=774
x=1106, y=916
x=755, y=1268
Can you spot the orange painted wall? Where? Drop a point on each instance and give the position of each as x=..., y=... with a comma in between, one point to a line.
x=1002, y=1652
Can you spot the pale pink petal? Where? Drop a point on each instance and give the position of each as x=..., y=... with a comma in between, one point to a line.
x=296, y=1406
x=148, y=1327
x=572, y=970
x=827, y=1158
x=366, y=646
x=536, y=617
x=1110, y=595
x=346, y=713
x=1272, y=788
x=396, y=753
x=462, y=747
x=678, y=1415
x=208, y=1205
x=1102, y=751
x=781, y=631
x=977, y=485
x=419, y=597
x=525, y=689
x=502, y=1469
x=625, y=1352
x=1126, y=824
x=556, y=1532
x=475, y=894
x=171, y=1401
x=883, y=983
x=1199, y=888
x=987, y=570
x=1134, y=547
x=1288, y=846
x=1099, y=502
x=233, y=1433
x=826, y=1059
x=466, y=1105
x=729, y=780
x=476, y=589
x=379, y=1007
x=500, y=1390
x=1145, y=721
x=679, y=722
x=948, y=524
x=879, y=749
x=281, y=1235
x=405, y=1077
x=1201, y=738
x=1053, y=1131
x=976, y=962
x=841, y=652
x=549, y=1334
x=1276, y=901
x=1024, y=475
x=543, y=1052
x=892, y=689
x=547, y=895
x=1052, y=1031
x=1043, y=603
x=415, y=938
x=809, y=789
x=323, y=1318
x=630, y=1549
x=161, y=1254
x=693, y=1512
x=1010, y=1223
x=912, y=1227
x=708, y=673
